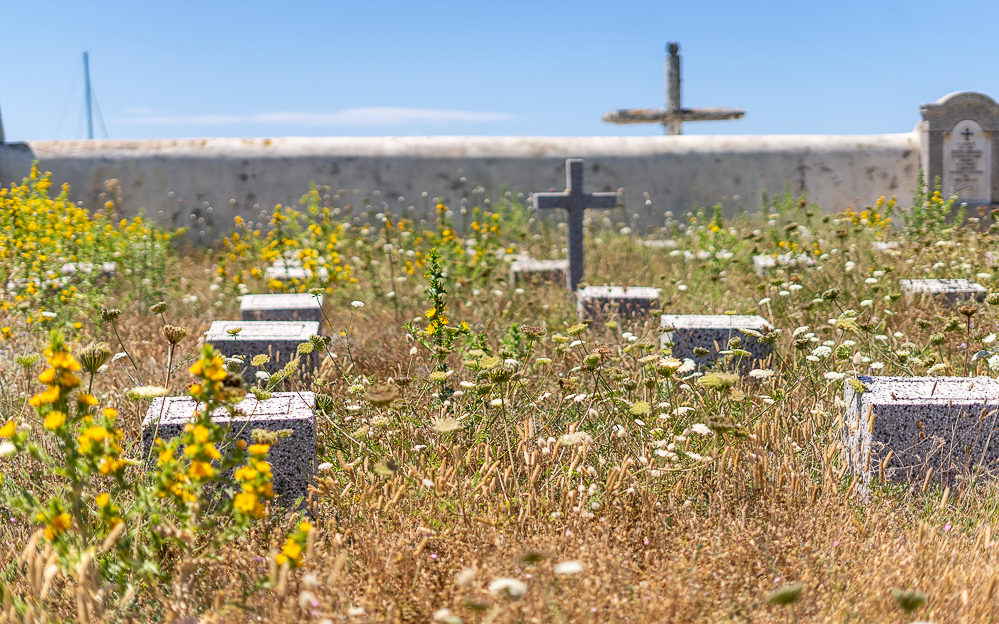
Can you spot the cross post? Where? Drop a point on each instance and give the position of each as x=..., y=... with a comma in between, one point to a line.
x=575, y=201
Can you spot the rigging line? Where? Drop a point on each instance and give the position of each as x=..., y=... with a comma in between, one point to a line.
x=100, y=115
x=69, y=98
x=81, y=125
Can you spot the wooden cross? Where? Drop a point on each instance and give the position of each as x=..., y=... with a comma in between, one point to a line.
x=576, y=202
x=673, y=115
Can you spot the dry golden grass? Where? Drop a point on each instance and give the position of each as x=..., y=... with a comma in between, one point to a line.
x=411, y=534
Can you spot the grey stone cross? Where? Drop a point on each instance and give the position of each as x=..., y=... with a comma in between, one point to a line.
x=673, y=115
x=576, y=202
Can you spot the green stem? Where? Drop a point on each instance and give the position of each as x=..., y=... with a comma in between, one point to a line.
x=114, y=326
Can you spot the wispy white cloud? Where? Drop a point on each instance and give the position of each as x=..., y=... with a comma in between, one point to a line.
x=368, y=116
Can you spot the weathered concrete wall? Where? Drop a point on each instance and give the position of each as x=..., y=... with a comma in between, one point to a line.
x=174, y=179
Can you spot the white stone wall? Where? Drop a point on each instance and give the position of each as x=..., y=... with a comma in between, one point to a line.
x=175, y=179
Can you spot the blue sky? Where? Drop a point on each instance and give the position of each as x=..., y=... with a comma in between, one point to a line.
x=294, y=68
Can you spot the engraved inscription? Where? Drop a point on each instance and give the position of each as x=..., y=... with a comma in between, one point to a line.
x=968, y=163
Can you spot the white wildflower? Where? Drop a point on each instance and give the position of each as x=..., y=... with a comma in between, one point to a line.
x=822, y=351
x=575, y=438
x=505, y=586
x=568, y=567
x=701, y=429
x=936, y=368
x=146, y=392
x=688, y=367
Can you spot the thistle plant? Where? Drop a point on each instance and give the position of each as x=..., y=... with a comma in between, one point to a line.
x=439, y=334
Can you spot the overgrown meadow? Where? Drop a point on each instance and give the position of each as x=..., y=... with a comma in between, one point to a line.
x=484, y=455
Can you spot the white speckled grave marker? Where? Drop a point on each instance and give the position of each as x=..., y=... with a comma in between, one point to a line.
x=575, y=202
x=602, y=302
x=282, y=307
x=278, y=339
x=763, y=263
x=293, y=459
x=659, y=244
x=686, y=332
x=527, y=269
x=950, y=290
x=899, y=427
x=292, y=270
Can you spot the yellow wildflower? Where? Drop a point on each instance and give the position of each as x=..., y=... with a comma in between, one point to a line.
x=245, y=502
x=48, y=376
x=201, y=470
x=50, y=395
x=259, y=449
x=54, y=420
x=57, y=525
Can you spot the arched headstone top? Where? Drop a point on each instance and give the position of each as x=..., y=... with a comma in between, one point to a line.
x=954, y=107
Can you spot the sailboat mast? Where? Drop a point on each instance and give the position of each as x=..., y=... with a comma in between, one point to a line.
x=87, y=95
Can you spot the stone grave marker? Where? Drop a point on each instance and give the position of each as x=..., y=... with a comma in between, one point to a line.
x=575, y=202
x=282, y=307
x=291, y=269
x=900, y=427
x=764, y=263
x=685, y=333
x=278, y=339
x=527, y=269
x=949, y=290
x=658, y=243
x=292, y=459
x=885, y=246
x=602, y=302
x=960, y=137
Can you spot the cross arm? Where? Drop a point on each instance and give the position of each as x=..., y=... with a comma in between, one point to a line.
x=550, y=200
x=661, y=115
x=601, y=200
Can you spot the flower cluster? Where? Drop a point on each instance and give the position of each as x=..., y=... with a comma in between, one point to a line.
x=294, y=547
x=254, y=480
x=873, y=217
x=307, y=242
x=52, y=251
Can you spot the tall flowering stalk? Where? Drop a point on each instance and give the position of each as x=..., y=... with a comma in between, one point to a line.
x=103, y=502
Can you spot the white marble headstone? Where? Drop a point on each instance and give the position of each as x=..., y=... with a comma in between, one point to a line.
x=967, y=163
